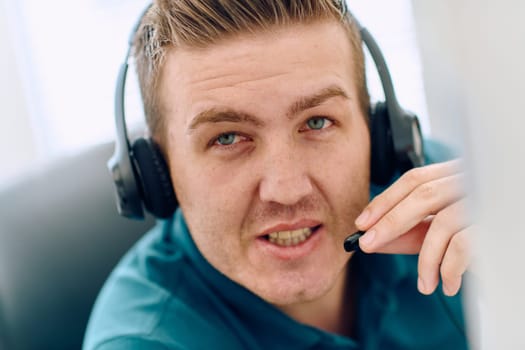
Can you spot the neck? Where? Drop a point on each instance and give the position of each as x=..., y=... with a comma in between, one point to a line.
x=333, y=312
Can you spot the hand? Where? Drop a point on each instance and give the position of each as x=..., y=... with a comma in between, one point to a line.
x=423, y=212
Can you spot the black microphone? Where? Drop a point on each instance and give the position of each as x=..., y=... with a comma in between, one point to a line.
x=351, y=243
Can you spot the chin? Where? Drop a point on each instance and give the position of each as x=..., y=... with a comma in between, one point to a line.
x=296, y=288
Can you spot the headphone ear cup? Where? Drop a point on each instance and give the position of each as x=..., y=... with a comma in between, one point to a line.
x=383, y=157
x=155, y=181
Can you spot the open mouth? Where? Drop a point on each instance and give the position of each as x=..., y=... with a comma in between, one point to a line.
x=291, y=238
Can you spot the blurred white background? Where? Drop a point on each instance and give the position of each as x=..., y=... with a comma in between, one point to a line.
x=473, y=52
x=61, y=63
x=62, y=58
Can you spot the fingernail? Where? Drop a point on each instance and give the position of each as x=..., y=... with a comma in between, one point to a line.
x=362, y=218
x=368, y=238
x=446, y=290
x=450, y=289
x=421, y=285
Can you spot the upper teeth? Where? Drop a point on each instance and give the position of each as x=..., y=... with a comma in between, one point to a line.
x=287, y=238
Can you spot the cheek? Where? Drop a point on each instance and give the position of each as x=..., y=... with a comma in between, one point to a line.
x=348, y=159
x=212, y=197
x=348, y=187
x=210, y=213
x=344, y=176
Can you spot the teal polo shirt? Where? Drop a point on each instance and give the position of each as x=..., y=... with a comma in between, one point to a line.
x=165, y=295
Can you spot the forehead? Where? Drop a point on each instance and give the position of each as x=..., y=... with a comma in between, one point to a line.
x=252, y=68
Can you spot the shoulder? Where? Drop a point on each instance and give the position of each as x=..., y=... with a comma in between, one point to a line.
x=155, y=299
x=131, y=308
x=436, y=151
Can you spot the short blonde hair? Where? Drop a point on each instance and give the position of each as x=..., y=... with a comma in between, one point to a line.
x=175, y=24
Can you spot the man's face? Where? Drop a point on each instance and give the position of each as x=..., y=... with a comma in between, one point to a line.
x=269, y=155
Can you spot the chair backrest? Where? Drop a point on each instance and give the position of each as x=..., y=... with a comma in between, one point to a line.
x=60, y=236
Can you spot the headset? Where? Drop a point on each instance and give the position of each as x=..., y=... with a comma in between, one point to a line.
x=142, y=179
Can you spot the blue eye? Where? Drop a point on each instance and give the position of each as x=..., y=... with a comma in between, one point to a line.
x=226, y=139
x=317, y=123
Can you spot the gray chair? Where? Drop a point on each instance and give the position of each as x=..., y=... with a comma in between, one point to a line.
x=60, y=236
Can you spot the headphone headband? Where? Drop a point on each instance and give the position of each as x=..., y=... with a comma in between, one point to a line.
x=407, y=138
x=129, y=203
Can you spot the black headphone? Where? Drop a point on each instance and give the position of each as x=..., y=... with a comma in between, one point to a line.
x=142, y=178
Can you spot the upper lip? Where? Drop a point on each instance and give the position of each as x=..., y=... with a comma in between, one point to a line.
x=290, y=226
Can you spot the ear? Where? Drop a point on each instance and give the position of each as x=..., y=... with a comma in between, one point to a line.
x=383, y=157
x=156, y=189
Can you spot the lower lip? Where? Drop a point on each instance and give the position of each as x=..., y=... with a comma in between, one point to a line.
x=291, y=252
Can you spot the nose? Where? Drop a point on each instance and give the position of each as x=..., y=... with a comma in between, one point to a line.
x=285, y=177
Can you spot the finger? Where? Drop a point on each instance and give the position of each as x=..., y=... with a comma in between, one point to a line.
x=410, y=242
x=455, y=262
x=427, y=199
x=445, y=225
x=407, y=183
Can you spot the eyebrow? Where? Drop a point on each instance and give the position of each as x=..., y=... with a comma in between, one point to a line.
x=218, y=115
x=315, y=100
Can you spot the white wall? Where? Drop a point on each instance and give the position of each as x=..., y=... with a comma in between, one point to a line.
x=17, y=149
x=392, y=25
x=473, y=53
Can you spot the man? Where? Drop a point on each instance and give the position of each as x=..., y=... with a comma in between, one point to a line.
x=260, y=109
